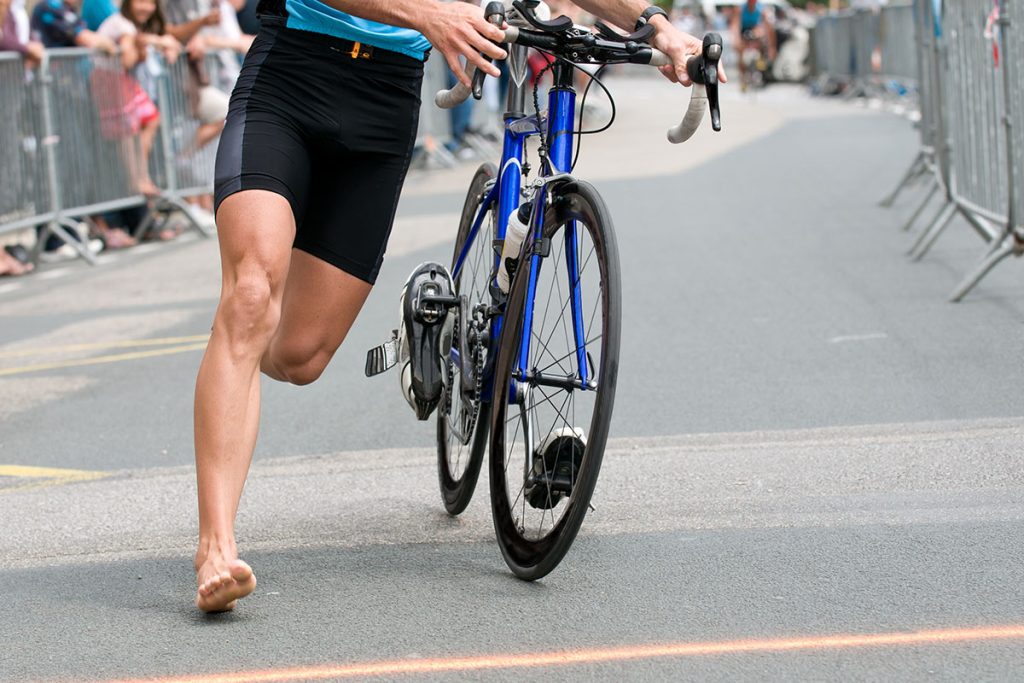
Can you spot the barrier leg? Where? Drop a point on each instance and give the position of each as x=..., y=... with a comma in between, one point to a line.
x=1011, y=245
x=915, y=170
x=983, y=227
x=929, y=236
x=186, y=208
x=921, y=207
x=63, y=228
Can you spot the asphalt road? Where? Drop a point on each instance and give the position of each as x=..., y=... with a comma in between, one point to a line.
x=815, y=469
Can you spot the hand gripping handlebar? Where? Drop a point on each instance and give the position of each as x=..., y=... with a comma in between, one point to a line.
x=702, y=69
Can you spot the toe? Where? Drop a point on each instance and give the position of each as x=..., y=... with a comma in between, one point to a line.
x=240, y=571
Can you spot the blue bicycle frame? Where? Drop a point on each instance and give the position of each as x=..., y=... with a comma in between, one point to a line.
x=505, y=195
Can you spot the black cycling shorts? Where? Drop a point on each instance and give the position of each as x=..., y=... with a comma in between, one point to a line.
x=329, y=125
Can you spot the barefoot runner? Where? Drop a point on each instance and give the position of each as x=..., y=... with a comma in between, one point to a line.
x=310, y=166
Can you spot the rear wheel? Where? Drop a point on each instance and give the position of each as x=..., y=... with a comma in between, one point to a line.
x=462, y=417
x=549, y=425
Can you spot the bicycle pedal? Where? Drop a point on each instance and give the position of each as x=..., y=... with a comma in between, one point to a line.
x=382, y=358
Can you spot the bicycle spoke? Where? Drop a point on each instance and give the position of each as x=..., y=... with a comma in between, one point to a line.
x=568, y=301
x=561, y=358
x=545, y=349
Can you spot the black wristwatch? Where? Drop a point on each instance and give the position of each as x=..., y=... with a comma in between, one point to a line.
x=648, y=14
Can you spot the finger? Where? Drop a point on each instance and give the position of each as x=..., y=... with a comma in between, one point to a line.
x=487, y=47
x=489, y=30
x=481, y=63
x=669, y=72
x=472, y=55
x=682, y=74
x=721, y=74
x=456, y=66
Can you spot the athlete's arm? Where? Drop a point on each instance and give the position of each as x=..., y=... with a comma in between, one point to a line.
x=454, y=29
x=668, y=39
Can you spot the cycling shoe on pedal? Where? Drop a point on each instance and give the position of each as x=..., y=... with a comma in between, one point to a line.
x=422, y=342
x=555, y=467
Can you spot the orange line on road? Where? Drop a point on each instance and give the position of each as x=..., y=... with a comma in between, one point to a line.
x=596, y=656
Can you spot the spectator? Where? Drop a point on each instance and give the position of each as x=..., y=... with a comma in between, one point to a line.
x=208, y=27
x=10, y=41
x=56, y=23
x=21, y=21
x=95, y=12
x=138, y=28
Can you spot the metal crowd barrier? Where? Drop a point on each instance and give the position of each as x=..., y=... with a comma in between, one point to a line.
x=899, y=56
x=1008, y=33
x=833, y=51
x=25, y=190
x=968, y=59
x=847, y=43
x=178, y=165
x=71, y=146
x=70, y=150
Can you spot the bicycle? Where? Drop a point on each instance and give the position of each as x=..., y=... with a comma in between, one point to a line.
x=753, y=55
x=540, y=396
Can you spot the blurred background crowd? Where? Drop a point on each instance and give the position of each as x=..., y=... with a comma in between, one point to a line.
x=202, y=42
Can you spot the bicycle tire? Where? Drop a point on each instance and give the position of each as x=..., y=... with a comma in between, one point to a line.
x=533, y=559
x=457, y=487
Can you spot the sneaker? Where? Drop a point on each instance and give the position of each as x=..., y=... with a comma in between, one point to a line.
x=66, y=252
x=204, y=218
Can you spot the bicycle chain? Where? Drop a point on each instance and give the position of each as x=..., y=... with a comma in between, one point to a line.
x=478, y=386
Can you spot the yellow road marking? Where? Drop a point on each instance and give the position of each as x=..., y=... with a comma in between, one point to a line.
x=98, y=360
x=126, y=343
x=391, y=669
x=45, y=476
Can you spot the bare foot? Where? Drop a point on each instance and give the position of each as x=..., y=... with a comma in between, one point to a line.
x=222, y=582
x=147, y=188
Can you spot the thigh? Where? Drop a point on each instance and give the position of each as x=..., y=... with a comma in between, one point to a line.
x=265, y=141
x=319, y=306
x=255, y=229
x=358, y=172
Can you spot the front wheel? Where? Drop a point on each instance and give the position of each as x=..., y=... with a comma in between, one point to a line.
x=551, y=410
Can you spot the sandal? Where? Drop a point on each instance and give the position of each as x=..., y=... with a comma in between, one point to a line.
x=11, y=266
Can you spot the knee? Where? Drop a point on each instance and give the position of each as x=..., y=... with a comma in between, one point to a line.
x=248, y=312
x=300, y=366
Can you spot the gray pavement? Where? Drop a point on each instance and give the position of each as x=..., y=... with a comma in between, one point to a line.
x=808, y=441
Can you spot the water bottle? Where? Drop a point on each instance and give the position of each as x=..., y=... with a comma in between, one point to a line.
x=518, y=228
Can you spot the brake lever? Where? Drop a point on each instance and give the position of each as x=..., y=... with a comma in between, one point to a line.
x=704, y=71
x=495, y=14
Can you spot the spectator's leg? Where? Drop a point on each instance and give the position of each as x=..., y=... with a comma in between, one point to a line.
x=147, y=134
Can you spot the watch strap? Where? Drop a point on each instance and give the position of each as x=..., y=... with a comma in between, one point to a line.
x=648, y=14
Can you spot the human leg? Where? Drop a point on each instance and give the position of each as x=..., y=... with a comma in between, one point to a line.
x=147, y=134
x=320, y=304
x=256, y=229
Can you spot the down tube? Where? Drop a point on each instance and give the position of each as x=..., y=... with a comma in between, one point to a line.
x=509, y=186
